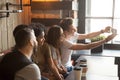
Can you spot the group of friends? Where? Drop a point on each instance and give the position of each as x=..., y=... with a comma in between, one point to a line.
x=41, y=54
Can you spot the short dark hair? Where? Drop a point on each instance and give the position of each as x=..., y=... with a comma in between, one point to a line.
x=53, y=36
x=38, y=28
x=65, y=23
x=22, y=37
x=18, y=28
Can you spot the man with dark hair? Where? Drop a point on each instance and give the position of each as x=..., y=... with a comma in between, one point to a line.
x=17, y=65
x=16, y=29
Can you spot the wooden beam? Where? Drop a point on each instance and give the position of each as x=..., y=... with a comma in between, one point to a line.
x=52, y=21
x=54, y=5
x=46, y=21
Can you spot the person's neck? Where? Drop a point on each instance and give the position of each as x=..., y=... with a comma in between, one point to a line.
x=27, y=51
x=66, y=34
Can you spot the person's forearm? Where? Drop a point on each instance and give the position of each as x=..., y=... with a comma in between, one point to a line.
x=93, y=34
x=87, y=46
x=56, y=73
x=90, y=35
x=55, y=70
x=93, y=44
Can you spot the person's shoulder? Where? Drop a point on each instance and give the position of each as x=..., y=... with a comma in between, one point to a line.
x=45, y=44
x=30, y=72
x=9, y=54
x=31, y=68
x=66, y=41
x=76, y=33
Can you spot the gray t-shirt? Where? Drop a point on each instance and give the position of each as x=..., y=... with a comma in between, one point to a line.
x=30, y=72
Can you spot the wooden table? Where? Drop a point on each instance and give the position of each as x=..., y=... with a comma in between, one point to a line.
x=93, y=77
x=100, y=66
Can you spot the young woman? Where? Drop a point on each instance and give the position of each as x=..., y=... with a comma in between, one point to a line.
x=54, y=38
x=43, y=56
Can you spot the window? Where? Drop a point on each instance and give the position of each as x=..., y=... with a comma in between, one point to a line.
x=102, y=13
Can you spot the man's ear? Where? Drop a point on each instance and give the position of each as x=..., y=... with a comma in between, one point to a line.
x=31, y=42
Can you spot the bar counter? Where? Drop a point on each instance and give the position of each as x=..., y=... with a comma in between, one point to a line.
x=101, y=66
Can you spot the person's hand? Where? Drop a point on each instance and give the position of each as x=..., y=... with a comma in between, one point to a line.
x=110, y=37
x=107, y=29
x=114, y=31
x=61, y=77
x=64, y=69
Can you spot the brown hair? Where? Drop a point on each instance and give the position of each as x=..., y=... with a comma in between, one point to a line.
x=65, y=23
x=53, y=36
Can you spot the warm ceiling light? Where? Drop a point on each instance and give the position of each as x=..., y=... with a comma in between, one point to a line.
x=45, y=0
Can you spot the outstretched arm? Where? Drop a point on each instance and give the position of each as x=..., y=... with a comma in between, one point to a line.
x=93, y=44
x=93, y=34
